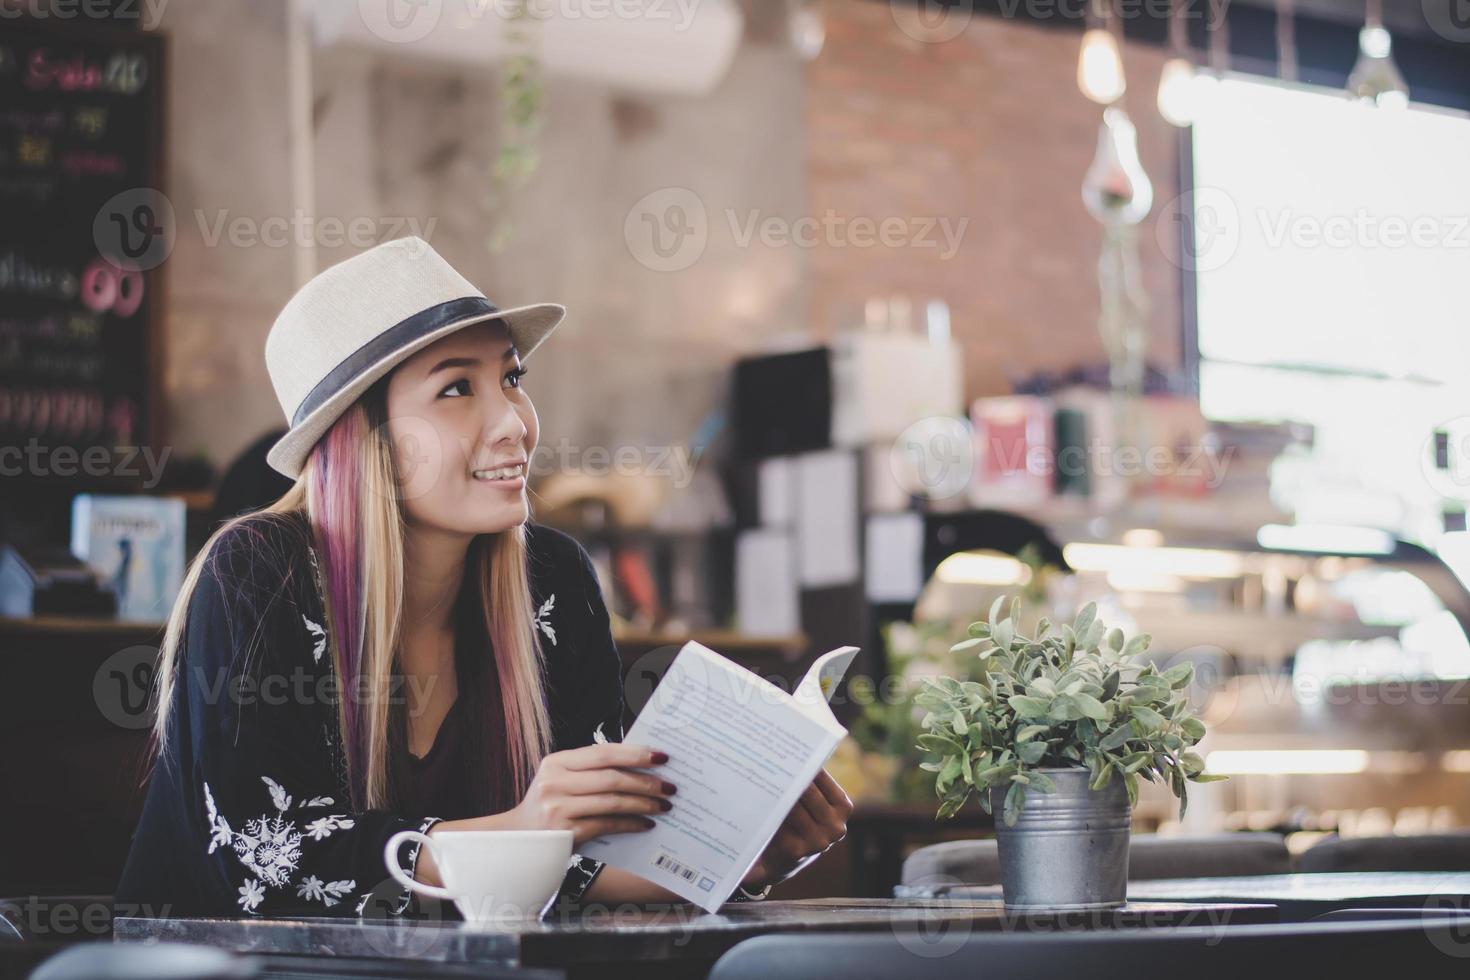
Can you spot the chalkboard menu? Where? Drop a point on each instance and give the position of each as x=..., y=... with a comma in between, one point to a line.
x=84, y=230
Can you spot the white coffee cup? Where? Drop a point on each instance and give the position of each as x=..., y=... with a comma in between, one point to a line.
x=490, y=875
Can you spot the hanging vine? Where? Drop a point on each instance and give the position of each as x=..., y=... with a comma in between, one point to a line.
x=519, y=116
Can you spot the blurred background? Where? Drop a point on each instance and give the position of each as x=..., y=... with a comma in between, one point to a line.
x=877, y=310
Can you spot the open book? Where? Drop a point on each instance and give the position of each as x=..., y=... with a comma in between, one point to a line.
x=741, y=751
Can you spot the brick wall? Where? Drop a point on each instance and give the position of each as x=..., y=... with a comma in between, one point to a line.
x=988, y=126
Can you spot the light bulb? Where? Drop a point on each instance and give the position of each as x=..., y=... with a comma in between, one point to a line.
x=808, y=32
x=1100, y=67
x=1177, y=88
x=1375, y=78
x=1116, y=188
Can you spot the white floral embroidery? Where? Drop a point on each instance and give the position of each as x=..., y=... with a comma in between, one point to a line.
x=219, y=830
x=278, y=794
x=270, y=846
x=320, y=829
x=251, y=894
x=541, y=618
x=313, y=889
x=319, y=635
x=598, y=737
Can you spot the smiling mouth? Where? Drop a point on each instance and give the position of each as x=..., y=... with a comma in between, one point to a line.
x=500, y=473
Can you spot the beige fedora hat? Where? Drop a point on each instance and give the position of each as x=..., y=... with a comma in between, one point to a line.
x=354, y=322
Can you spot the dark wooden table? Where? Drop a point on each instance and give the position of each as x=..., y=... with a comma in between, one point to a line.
x=1297, y=896
x=656, y=941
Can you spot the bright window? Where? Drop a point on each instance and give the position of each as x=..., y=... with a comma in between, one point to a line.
x=1333, y=245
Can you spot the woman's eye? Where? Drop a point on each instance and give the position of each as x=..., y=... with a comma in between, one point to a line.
x=513, y=379
x=463, y=383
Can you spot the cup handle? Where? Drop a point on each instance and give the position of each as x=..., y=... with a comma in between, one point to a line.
x=390, y=856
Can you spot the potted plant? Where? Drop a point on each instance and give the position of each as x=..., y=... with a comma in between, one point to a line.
x=1054, y=738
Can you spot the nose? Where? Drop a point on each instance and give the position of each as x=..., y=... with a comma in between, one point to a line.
x=504, y=430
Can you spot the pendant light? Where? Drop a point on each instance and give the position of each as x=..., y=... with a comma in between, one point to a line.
x=1176, y=84
x=1206, y=83
x=1100, y=64
x=1116, y=189
x=1286, y=40
x=1375, y=78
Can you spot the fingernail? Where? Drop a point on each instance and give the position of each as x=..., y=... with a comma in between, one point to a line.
x=669, y=789
x=659, y=758
x=649, y=823
x=665, y=805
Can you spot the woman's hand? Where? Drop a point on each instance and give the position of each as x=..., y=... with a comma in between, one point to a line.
x=590, y=791
x=818, y=821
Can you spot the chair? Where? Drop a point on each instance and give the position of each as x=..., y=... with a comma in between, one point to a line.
x=1198, y=953
x=1430, y=913
x=1418, y=852
x=977, y=862
x=161, y=961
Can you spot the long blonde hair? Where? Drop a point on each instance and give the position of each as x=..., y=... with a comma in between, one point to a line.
x=349, y=491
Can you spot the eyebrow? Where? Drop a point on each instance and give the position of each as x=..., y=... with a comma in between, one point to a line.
x=454, y=362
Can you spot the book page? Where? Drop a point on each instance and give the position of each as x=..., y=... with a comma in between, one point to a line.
x=740, y=752
x=821, y=680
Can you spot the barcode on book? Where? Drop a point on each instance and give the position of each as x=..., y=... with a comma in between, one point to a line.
x=674, y=867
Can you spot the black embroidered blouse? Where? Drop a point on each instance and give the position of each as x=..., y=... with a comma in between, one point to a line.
x=247, y=810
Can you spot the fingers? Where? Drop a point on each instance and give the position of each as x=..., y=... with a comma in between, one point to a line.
x=834, y=793
x=585, y=830
x=585, y=781
x=607, y=754
x=605, y=804
x=803, y=825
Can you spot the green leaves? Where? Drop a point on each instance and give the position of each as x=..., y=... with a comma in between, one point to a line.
x=1067, y=698
x=1031, y=752
x=1090, y=706
x=1015, y=799
x=1115, y=738
x=1028, y=707
x=1179, y=675
x=1150, y=719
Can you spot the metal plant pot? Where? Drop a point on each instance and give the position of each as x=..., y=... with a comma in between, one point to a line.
x=1068, y=848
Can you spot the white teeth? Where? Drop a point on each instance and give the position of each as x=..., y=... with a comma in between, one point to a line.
x=504, y=473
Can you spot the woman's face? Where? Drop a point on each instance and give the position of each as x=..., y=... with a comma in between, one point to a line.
x=456, y=415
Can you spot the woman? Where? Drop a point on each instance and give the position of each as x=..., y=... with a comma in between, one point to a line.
x=393, y=644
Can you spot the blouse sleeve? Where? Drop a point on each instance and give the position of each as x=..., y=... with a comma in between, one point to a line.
x=258, y=700
x=595, y=691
